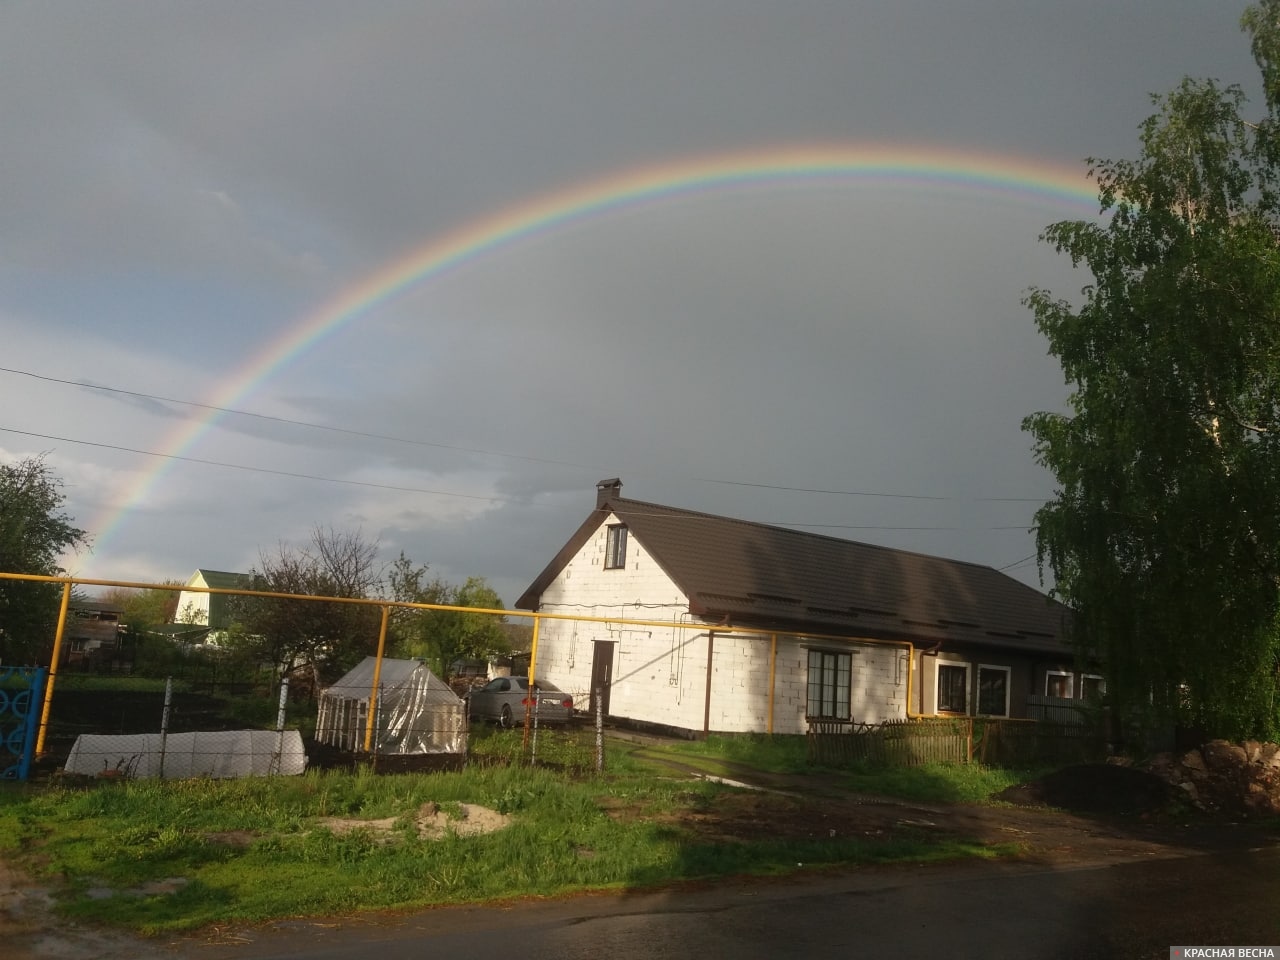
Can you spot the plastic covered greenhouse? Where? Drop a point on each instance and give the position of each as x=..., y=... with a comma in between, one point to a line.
x=415, y=711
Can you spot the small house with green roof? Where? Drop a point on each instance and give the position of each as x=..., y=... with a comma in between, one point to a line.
x=213, y=610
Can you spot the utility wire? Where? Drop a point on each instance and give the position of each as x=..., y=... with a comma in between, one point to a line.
x=491, y=453
x=1017, y=563
x=864, y=493
x=438, y=493
x=294, y=423
x=240, y=466
x=843, y=493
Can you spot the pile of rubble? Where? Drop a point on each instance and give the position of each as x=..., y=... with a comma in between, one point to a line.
x=1237, y=779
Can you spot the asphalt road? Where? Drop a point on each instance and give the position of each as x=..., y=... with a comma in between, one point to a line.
x=969, y=909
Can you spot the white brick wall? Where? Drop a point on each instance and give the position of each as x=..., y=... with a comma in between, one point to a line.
x=651, y=664
x=660, y=673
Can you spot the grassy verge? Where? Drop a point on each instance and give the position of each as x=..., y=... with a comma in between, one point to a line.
x=773, y=754
x=253, y=849
x=936, y=782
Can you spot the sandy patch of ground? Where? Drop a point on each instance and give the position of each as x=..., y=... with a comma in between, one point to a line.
x=430, y=820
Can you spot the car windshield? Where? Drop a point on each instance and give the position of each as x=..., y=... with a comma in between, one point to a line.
x=522, y=683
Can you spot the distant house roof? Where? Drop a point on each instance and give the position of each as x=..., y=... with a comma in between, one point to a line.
x=190, y=632
x=220, y=579
x=217, y=605
x=760, y=575
x=95, y=606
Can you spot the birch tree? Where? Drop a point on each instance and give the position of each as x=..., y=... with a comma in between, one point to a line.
x=1164, y=533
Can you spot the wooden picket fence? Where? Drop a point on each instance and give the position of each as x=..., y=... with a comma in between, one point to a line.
x=995, y=741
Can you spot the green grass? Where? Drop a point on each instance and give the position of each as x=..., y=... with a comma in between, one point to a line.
x=119, y=684
x=936, y=782
x=568, y=749
x=772, y=753
x=252, y=849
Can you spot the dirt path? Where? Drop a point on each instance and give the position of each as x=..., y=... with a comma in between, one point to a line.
x=30, y=931
x=813, y=805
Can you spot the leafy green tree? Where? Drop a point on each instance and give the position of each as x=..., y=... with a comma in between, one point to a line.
x=444, y=637
x=408, y=582
x=34, y=534
x=1164, y=534
x=144, y=608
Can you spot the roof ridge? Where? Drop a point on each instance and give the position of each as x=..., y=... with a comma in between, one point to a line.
x=816, y=536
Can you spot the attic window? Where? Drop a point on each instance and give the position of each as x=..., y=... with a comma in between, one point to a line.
x=615, y=547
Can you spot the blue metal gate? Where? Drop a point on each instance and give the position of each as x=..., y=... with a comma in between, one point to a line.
x=20, y=704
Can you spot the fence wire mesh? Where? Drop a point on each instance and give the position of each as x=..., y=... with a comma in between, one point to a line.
x=336, y=681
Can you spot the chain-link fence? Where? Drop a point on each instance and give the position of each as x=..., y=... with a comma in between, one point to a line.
x=137, y=726
x=346, y=702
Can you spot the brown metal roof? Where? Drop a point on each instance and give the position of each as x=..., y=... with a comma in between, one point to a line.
x=760, y=575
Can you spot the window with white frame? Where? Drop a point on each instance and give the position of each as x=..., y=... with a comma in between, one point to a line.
x=829, y=679
x=952, y=687
x=1057, y=683
x=993, y=690
x=615, y=547
x=1092, y=687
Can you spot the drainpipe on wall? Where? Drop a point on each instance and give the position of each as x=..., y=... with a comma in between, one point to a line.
x=706, y=710
x=773, y=672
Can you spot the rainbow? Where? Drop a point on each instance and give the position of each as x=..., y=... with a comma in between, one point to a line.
x=1022, y=179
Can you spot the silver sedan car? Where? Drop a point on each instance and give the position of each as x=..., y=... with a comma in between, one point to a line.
x=504, y=699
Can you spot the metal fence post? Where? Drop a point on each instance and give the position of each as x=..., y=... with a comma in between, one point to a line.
x=376, y=728
x=164, y=720
x=533, y=756
x=278, y=760
x=599, y=729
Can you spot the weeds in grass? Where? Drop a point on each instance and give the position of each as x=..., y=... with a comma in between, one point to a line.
x=775, y=753
x=253, y=849
x=937, y=782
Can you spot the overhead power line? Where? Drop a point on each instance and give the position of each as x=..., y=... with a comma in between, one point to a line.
x=1017, y=563
x=268, y=470
x=403, y=489
x=294, y=423
x=865, y=493
x=490, y=453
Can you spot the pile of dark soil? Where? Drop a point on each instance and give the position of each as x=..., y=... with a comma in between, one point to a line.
x=1098, y=788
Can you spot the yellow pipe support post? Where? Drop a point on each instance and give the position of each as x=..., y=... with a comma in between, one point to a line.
x=533, y=666
x=706, y=709
x=53, y=667
x=377, y=679
x=536, y=617
x=773, y=672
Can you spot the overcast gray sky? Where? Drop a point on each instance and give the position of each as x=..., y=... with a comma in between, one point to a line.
x=183, y=184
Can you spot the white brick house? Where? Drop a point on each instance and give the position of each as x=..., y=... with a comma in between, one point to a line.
x=848, y=631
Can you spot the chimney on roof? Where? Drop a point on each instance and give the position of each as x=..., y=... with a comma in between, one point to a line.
x=607, y=490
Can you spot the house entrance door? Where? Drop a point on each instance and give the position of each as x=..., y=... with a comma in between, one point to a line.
x=602, y=674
